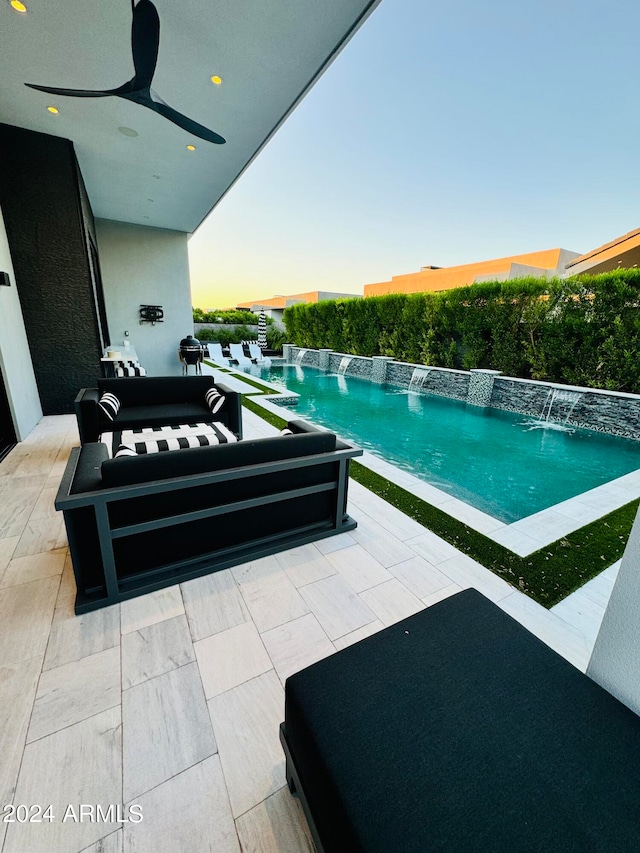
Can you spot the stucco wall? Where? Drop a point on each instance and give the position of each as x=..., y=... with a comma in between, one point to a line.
x=15, y=358
x=146, y=266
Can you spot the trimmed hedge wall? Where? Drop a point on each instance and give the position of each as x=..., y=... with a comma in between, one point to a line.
x=582, y=331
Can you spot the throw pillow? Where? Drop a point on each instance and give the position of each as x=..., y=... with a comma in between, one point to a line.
x=124, y=450
x=214, y=400
x=286, y=431
x=109, y=404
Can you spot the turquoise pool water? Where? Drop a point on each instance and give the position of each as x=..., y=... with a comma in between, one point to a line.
x=498, y=462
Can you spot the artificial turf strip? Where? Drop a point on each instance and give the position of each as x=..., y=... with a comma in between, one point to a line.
x=264, y=389
x=217, y=367
x=269, y=417
x=548, y=575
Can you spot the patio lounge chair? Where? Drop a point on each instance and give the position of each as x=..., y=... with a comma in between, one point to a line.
x=215, y=353
x=255, y=353
x=238, y=356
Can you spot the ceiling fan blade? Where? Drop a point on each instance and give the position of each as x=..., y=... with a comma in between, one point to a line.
x=145, y=39
x=72, y=93
x=185, y=123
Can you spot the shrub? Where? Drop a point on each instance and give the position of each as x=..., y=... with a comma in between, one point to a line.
x=276, y=338
x=227, y=336
x=227, y=316
x=583, y=331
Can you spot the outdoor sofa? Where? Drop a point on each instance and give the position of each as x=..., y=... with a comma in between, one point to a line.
x=457, y=730
x=139, y=523
x=151, y=401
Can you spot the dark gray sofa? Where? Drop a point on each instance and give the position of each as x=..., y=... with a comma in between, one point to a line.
x=155, y=401
x=457, y=730
x=138, y=524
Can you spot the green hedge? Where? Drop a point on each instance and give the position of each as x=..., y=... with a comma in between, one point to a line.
x=582, y=331
x=227, y=316
x=227, y=336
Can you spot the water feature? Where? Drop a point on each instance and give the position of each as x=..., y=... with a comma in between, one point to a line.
x=299, y=356
x=345, y=361
x=486, y=457
x=418, y=378
x=559, y=397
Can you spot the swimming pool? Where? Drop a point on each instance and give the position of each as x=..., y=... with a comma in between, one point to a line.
x=502, y=463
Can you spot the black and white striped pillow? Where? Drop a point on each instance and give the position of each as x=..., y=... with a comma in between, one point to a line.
x=129, y=368
x=214, y=399
x=109, y=404
x=124, y=450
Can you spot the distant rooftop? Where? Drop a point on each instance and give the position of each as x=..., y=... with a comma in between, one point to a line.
x=282, y=302
x=548, y=262
x=621, y=253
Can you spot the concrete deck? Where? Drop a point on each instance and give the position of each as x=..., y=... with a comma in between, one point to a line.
x=172, y=701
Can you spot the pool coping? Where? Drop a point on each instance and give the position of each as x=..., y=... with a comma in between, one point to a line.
x=524, y=536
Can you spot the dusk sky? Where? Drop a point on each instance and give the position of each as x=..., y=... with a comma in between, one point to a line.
x=444, y=133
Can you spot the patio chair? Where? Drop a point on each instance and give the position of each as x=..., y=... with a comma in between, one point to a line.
x=237, y=355
x=256, y=355
x=215, y=352
x=477, y=737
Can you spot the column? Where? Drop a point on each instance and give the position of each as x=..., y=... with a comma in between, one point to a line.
x=379, y=368
x=481, y=386
x=323, y=358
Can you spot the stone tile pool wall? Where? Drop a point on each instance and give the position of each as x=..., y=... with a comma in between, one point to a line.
x=311, y=357
x=350, y=365
x=610, y=412
x=439, y=380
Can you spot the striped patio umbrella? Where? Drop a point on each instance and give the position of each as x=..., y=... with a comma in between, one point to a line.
x=262, y=331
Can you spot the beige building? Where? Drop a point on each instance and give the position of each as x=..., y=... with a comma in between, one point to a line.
x=547, y=263
x=274, y=307
x=621, y=253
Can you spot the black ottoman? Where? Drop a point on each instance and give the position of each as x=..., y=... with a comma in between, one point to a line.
x=458, y=730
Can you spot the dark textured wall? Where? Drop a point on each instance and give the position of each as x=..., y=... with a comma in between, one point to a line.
x=40, y=198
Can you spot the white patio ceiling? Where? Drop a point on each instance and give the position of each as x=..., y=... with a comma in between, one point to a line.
x=267, y=52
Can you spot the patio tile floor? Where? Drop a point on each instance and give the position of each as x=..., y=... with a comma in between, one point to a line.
x=184, y=687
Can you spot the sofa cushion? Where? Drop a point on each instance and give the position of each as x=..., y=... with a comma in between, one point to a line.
x=157, y=390
x=142, y=443
x=202, y=460
x=162, y=415
x=458, y=730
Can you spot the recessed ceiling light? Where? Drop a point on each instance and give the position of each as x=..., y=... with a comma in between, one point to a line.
x=217, y=80
x=191, y=147
x=18, y=6
x=128, y=131
x=53, y=110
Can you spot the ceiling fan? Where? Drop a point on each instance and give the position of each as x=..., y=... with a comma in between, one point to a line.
x=145, y=40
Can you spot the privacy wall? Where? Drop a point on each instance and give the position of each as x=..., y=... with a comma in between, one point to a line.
x=48, y=225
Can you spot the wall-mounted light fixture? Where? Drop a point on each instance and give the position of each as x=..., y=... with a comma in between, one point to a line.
x=4, y=278
x=151, y=314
